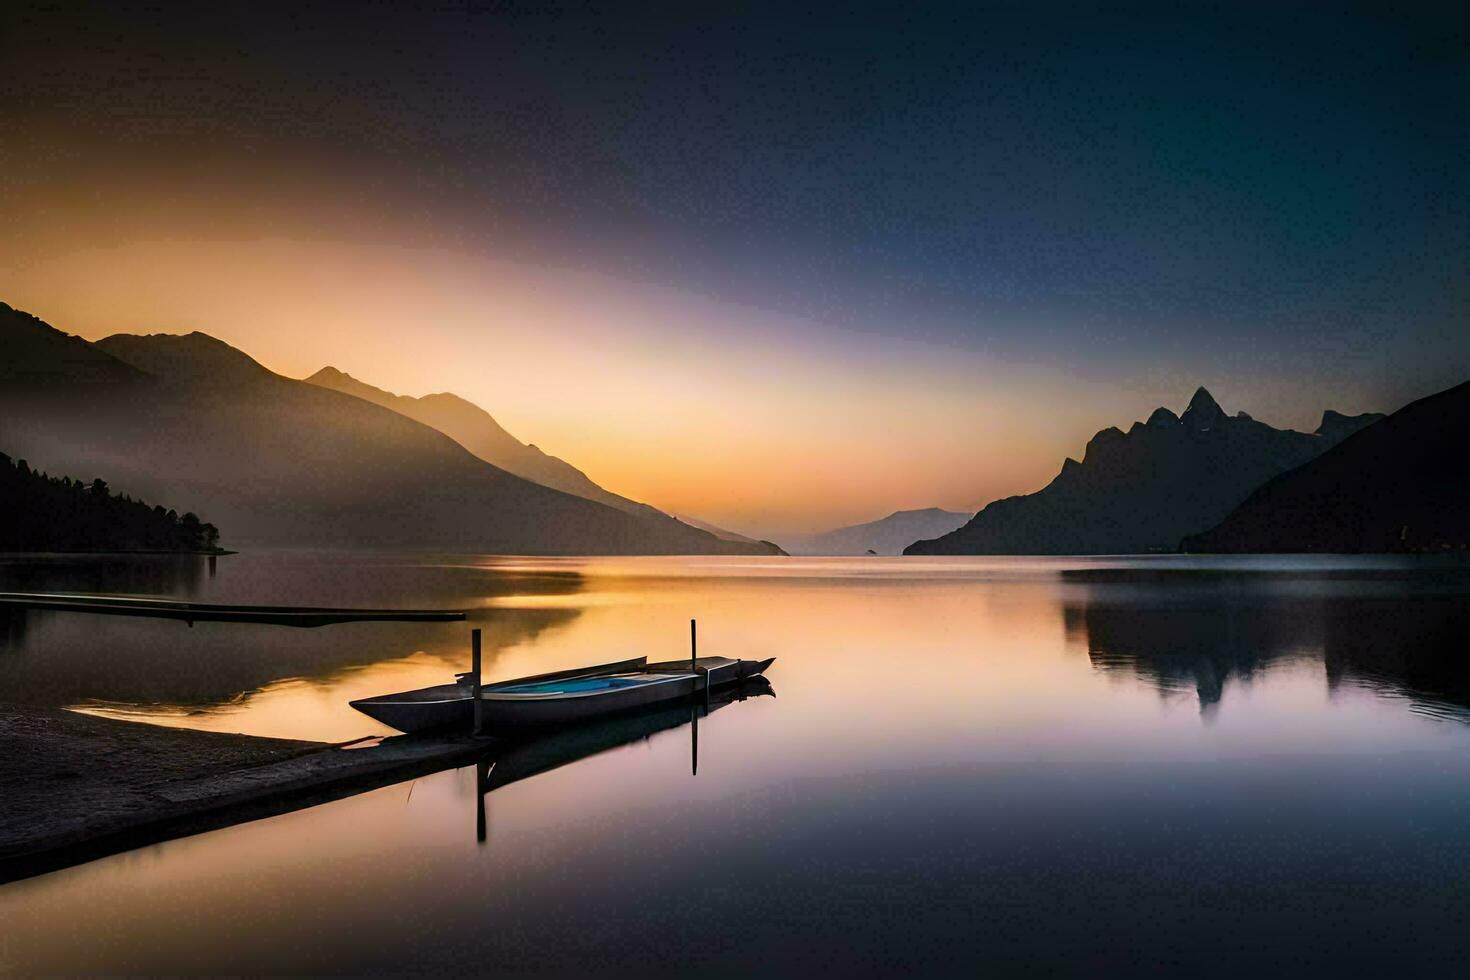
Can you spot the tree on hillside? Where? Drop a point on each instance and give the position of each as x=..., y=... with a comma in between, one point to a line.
x=43, y=513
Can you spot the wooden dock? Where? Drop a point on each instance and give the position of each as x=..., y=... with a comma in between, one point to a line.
x=200, y=612
x=79, y=787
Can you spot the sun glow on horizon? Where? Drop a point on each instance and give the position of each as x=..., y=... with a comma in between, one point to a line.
x=735, y=415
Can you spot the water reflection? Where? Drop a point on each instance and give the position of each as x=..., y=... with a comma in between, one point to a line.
x=261, y=679
x=172, y=575
x=512, y=761
x=1417, y=647
x=12, y=628
x=1400, y=634
x=970, y=768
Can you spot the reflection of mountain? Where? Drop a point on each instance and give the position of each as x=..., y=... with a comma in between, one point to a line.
x=1400, y=485
x=274, y=460
x=1415, y=648
x=1401, y=633
x=1143, y=490
x=161, y=664
x=1189, y=639
x=56, y=659
x=886, y=536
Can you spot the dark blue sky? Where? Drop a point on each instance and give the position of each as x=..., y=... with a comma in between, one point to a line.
x=1272, y=172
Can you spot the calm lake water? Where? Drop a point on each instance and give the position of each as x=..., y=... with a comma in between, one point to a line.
x=1071, y=766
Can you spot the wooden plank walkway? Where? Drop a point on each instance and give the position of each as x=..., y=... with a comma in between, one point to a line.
x=200, y=612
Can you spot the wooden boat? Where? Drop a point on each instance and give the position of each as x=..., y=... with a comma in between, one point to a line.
x=563, y=697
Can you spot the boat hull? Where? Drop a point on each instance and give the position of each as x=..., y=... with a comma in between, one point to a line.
x=454, y=710
x=452, y=705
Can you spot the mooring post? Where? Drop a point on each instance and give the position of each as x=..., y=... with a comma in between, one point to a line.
x=694, y=664
x=475, y=676
x=482, y=776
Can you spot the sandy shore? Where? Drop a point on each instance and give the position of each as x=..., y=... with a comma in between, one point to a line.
x=77, y=787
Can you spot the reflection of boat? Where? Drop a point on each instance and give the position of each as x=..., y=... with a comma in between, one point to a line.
x=521, y=759
x=512, y=760
x=559, y=698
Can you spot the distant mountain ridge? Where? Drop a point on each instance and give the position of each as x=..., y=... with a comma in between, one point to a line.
x=476, y=429
x=886, y=536
x=716, y=530
x=1402, y=485
x=1142, y=491
x=282, y=462
x=186, y=359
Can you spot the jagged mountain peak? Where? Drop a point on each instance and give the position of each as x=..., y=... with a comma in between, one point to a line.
x=1102, y=441
x=1203, y=410
x=330, y=373
x=1144, y=490
x=1203, y=400
x=1391, y=484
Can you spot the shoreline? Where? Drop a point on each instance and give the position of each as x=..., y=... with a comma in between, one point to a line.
x=128, y=554
x=78, y=787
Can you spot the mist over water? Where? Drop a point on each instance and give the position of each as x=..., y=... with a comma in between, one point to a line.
x=1078, y=765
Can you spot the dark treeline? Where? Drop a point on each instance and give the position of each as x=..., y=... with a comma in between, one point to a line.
x=46, y=513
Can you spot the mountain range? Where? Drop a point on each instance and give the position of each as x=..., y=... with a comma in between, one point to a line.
x=476, y=429
x=886, y=536
x=1143, y=490
x=715, y=529
x=334, y=462
x=276, y=461
x=1400, y=485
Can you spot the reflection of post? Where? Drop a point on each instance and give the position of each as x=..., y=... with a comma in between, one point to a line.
x=693, y=708
x=211, y=566
x=482, y=777
x=475, y=676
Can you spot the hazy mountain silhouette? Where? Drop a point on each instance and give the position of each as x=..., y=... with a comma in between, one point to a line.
x=1143, y=490
x=716, y=530
x=36, y=353
x=886, y=536
x=278, y=461
x=1400, y=485
x=476, y=429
